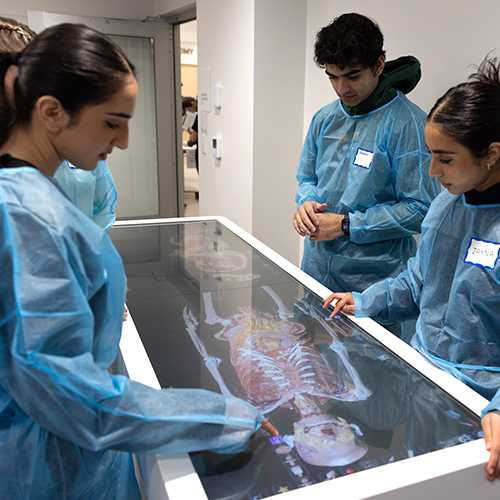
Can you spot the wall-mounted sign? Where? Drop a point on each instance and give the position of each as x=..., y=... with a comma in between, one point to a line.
x=189, y=53
x=204, y=90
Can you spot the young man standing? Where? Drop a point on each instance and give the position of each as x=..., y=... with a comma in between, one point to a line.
x=364, y=186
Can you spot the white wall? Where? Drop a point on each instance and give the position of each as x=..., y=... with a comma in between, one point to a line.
x=226, y=48
x=116, y=9
x=447, y=37
x=280, y=48
x=255, y=52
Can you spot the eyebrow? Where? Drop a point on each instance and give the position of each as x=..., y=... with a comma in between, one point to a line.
x=120, y=115
x=351, y=73
x=441, y=151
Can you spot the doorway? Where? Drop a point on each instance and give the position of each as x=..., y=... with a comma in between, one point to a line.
x=189, y=95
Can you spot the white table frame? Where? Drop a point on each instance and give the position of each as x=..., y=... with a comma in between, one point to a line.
x=452, y=473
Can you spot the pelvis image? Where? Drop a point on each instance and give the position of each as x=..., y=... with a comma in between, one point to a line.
x=281, y=363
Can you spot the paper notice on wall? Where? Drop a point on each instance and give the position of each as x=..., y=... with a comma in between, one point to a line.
x=203, y=127
x=204, y=89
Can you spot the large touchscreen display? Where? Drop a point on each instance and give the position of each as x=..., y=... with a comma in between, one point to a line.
x=215, y=313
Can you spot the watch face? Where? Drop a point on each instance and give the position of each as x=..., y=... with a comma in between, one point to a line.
x=345, y=225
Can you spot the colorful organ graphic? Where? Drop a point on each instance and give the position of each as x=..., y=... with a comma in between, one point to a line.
x=279, y=365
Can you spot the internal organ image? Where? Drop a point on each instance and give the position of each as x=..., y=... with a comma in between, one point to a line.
x=210, y=255
x=279, y=365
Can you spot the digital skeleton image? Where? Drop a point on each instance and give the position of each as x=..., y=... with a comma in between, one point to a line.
x=278, y=364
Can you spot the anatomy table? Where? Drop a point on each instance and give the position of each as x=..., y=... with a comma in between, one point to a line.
x=360, y=414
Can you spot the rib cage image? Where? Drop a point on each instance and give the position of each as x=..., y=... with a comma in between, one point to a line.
x=278, y=364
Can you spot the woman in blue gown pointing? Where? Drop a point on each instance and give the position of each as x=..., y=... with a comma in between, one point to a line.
x=453, y=283
x=67, y=427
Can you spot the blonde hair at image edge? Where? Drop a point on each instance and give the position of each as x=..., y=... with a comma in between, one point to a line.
x=14, y=35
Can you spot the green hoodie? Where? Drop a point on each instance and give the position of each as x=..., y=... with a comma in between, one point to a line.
x=400, y=74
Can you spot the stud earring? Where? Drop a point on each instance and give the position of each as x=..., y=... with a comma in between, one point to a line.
x=489, y=166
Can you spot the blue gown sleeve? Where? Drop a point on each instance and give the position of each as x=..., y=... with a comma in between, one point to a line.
x=105, y=197
x=413, y=186
x=62, y=296
x=306, y=173
x=393, y=299
x=494, y=404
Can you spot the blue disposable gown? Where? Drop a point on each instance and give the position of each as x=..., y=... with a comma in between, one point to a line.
x=454, y=289
x=386, y=201
x=66, y=424
x=93, y=192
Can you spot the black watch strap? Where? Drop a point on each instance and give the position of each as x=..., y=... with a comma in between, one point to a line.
x=346, y=225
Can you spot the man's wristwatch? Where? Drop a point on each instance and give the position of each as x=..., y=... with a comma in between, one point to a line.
x=345, y=225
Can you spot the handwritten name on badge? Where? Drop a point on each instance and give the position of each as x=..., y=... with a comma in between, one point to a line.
x=363, y=158
x=482, y=253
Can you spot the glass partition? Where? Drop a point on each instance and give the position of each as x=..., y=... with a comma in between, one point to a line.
x=135, y=170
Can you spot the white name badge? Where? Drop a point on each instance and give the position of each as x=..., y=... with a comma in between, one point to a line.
x=482, y=253
x=363, y=158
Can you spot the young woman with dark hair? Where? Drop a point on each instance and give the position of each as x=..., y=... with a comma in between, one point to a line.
x=93, y=192
x=453, y=283
x=68, y=426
